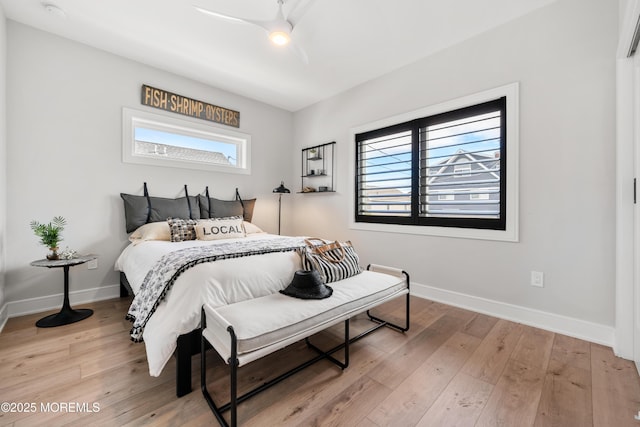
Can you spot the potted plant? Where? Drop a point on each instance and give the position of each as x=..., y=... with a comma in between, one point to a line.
x=50, y=234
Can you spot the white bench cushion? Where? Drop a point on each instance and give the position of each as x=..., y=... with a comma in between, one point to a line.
x=266, y=324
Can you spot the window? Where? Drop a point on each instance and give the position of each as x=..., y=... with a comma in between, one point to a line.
x=155, y=139
x=442, y=172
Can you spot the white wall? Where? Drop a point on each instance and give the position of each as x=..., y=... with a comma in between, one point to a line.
x=64, y=155
x=622, y=7
x=3, y=163
x=563, y=55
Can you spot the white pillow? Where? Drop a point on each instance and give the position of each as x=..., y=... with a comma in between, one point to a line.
x=151, y=231
x=250, y=228
x=220, y=228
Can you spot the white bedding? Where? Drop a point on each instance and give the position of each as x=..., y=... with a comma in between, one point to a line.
x=218, y=283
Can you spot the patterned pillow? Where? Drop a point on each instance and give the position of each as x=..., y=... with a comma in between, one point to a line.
x=182, y=229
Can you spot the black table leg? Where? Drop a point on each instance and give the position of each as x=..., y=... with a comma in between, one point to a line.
x=67, y=314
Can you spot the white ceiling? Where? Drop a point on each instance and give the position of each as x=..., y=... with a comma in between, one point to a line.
x=347, y=41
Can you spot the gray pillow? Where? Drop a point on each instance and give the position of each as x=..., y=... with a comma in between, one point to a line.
x=136, y=211
x=216, y=208
x=162, y=208
x=139, y=210
x=248, y=206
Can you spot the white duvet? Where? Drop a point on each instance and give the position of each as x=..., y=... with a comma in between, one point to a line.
x=218, y=283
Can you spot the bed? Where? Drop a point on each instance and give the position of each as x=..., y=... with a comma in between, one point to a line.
x=174, y=326
x=225, y=281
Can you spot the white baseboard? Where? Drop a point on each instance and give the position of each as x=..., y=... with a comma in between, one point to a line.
x=4, y=315
x=52, y=302
x=588, y=331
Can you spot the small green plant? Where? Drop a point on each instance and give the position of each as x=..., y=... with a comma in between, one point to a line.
x=50, y=234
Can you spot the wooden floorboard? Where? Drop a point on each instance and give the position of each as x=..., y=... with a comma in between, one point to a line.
x=566, y=393
x=452, y=368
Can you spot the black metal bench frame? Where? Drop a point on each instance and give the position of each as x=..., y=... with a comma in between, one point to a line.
x=233, y=362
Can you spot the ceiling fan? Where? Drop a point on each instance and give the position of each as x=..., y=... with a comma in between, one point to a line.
x=279, y=29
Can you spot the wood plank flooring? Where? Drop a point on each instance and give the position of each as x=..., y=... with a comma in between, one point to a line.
x=453, y=368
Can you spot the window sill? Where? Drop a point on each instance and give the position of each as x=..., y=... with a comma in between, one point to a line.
x=508, y=235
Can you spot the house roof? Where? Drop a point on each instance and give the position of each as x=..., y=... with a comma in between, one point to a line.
x=488, y=164
x=180, y=153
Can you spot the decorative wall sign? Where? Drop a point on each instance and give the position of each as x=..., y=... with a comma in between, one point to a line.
x=168, y=101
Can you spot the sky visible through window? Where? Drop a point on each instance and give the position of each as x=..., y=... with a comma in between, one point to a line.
x=229, y=150
x=390, y=156
x=477, y=134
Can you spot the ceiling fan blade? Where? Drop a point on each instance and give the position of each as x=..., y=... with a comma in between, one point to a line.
x=298, y=11
x=261, y=24
x=299, y=52
x=220, y=15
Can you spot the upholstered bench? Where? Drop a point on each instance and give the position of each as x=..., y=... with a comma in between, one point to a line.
x=246, y=331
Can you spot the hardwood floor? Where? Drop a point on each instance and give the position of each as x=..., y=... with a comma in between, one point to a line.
x=453, y=368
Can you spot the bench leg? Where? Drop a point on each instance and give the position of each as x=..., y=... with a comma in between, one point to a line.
x=203, y=382
x=383, y=322
x=327, y=354
x=232, y=406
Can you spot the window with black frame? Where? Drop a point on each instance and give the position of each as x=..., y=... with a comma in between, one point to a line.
x=446, y=170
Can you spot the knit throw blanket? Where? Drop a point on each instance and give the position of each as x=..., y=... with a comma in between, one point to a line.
x=162, y=276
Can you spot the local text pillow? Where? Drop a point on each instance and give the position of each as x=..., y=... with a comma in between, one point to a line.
x=220, y=228
x=182, y=229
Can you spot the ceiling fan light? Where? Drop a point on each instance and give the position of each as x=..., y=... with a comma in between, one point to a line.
x=280, y=38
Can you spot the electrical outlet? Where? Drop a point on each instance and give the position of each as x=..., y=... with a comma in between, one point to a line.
x=537, y=279
x=92, y=265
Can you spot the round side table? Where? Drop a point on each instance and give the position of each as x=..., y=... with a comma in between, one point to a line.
x=67, y=314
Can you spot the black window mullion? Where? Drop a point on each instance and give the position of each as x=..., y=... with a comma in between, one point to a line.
x=415, y=174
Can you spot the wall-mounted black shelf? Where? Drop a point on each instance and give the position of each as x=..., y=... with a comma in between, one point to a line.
x=318, y=169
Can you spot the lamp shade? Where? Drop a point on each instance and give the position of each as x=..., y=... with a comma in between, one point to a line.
x=281, y=189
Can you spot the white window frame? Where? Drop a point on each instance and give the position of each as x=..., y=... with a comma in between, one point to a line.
x=187, y=127
x=511, y=231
